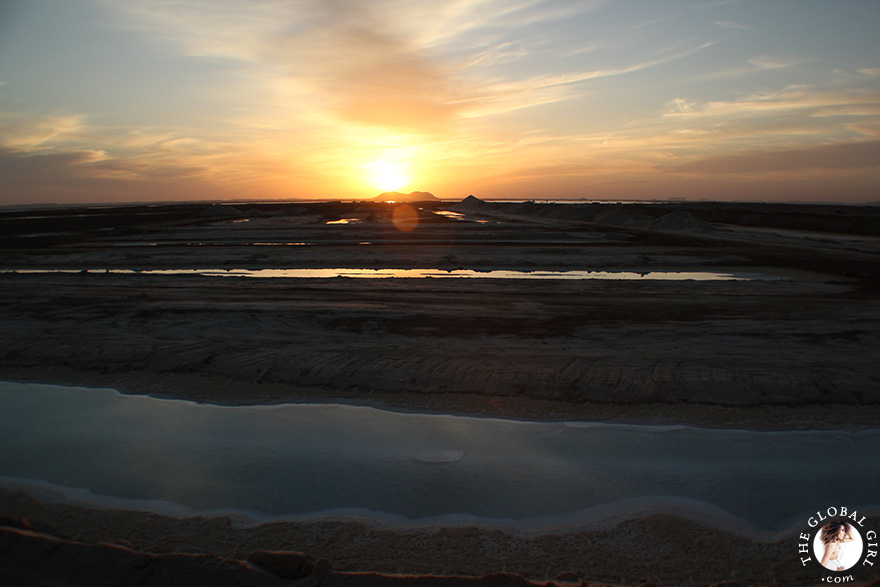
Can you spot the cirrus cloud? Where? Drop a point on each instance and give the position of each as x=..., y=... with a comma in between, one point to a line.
x=858, y=155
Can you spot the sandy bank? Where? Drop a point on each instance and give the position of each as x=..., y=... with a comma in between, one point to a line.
x=476, y=345
x=663, y=549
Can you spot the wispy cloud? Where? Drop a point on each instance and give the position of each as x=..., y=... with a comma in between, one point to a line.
x=823, y=157
x=801, y=100
x=365, y=63
x=470, y=22
x=544, y=89
x=24, y=132
x=46, y=151
x=729, y=24
x=676, y=13
x=362, y=61
x=775, y=61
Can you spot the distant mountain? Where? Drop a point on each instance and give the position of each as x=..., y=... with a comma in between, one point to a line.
x=400, y=197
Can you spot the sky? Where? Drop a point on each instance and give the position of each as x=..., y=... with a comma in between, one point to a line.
x=158, y=100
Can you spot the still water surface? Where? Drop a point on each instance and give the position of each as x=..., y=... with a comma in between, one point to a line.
x=309, y=459
x=324, y=273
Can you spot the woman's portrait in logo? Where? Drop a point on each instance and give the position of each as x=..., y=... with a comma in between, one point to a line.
x=838, y=545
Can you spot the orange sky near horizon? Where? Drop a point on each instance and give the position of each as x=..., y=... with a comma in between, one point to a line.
x=104, y=101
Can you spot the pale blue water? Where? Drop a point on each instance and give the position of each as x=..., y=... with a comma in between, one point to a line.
x=298, y=460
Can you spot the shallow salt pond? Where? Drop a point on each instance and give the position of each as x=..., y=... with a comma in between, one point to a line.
x=434, y=273
x=304, y=460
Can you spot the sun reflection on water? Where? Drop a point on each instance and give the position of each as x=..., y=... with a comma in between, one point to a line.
x=387, y=273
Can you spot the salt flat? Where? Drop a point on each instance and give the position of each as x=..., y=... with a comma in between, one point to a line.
x=798, y=353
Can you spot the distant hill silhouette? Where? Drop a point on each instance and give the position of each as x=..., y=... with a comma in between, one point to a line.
x=401, y=197
x=472, y=203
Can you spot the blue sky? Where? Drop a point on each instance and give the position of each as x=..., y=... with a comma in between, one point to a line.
x=110, y=100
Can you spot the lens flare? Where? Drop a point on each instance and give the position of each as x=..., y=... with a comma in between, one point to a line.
x=405, y=218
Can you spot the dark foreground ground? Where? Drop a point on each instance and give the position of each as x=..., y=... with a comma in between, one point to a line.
x=791, y=354
x=55, y=544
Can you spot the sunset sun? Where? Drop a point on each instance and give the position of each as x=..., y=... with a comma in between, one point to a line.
x=388, y=175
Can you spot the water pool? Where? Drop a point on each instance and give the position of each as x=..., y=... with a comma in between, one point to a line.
x=303, y=460
x=324, y=273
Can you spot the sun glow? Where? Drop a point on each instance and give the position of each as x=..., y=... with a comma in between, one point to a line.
x=388, y=175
